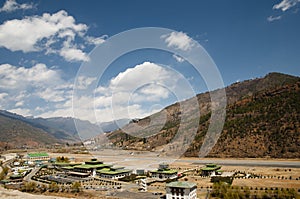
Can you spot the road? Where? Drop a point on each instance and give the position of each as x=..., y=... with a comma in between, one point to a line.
x=28, y=177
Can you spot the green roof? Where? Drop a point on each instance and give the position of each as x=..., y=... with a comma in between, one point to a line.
x=110, y=172
x=181, y=184
x=16, y=176
x=104, y=169
x=90, y=166
x=166, y=171
x=41, y=154
x=211, y=167
x=68, y=167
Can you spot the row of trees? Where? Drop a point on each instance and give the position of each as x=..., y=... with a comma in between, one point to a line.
x=53, y=187
x=224, y=190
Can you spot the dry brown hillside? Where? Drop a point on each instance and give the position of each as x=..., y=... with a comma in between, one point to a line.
x=262, y=120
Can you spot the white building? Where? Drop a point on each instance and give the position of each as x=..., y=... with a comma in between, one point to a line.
x=114, y=172
x=181, y=190
x=164, y=172
x=143, y=184
x=42, y=156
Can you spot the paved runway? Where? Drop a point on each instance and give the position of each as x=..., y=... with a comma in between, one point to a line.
x=151, y=160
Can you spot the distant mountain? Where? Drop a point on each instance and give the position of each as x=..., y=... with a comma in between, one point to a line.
x=262, y=120
x=60, y=128
x=113, y=125
x=64, y=128
x=15, y=133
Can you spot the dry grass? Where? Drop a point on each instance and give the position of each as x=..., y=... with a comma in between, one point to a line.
x=267, y=183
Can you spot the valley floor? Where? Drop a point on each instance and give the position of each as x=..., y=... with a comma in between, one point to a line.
x=260, y=176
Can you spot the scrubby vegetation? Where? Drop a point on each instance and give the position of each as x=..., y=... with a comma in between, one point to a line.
x=224, y=190
x=262, y=120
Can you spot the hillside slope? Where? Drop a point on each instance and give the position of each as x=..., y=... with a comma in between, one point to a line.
x=264, y=125
x=62, y=128
x=271, y=103
x=16, y=134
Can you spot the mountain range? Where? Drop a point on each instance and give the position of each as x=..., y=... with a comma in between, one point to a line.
x=18, y=131
x=262, y=120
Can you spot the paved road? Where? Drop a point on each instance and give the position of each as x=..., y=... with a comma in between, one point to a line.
x=152, y=158
x=228, y=162
x=147, y=160
x=31, y=174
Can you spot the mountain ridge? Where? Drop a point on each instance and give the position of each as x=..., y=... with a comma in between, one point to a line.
x=236, y=93
x=52, y=130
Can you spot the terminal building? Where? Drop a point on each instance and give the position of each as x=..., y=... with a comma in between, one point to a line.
x=37, y=157
x=90, y=166
x=114, y=172
x=95, y=167
x=181, y=190
x=164, y=172
x=210, y=169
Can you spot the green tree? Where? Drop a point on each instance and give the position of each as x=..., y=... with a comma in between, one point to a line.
x=76, y=187
x=4, y=173
x=62, y=159
x=29, y=187
x=53, y=187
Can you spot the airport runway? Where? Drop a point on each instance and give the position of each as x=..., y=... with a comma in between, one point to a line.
x=150, y=159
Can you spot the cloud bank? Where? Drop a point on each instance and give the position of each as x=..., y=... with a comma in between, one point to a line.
x=56, y=33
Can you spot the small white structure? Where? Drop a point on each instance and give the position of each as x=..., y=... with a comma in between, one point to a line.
x=181, y=190
x=143, y=184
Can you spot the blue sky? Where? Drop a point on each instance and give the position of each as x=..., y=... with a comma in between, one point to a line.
x=44, y=43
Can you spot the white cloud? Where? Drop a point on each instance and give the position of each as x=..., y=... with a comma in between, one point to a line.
x=119, y=112
x=15, y=33
x=18, y=78
x=139, y=75
x=73, y=54
x=179, y=40
x=3, y=95
x=150, y=93
x=52, y=95
x=272, y=18
x=129, y=94
x=62, y=112
x=21, y=111
x=26, y=88
x=96, y=40
x=83, y=82
x=284, y=5
x=51, y=33
x=178, y=58
x=12, y=5
x=19, y=103
x=41, y=91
